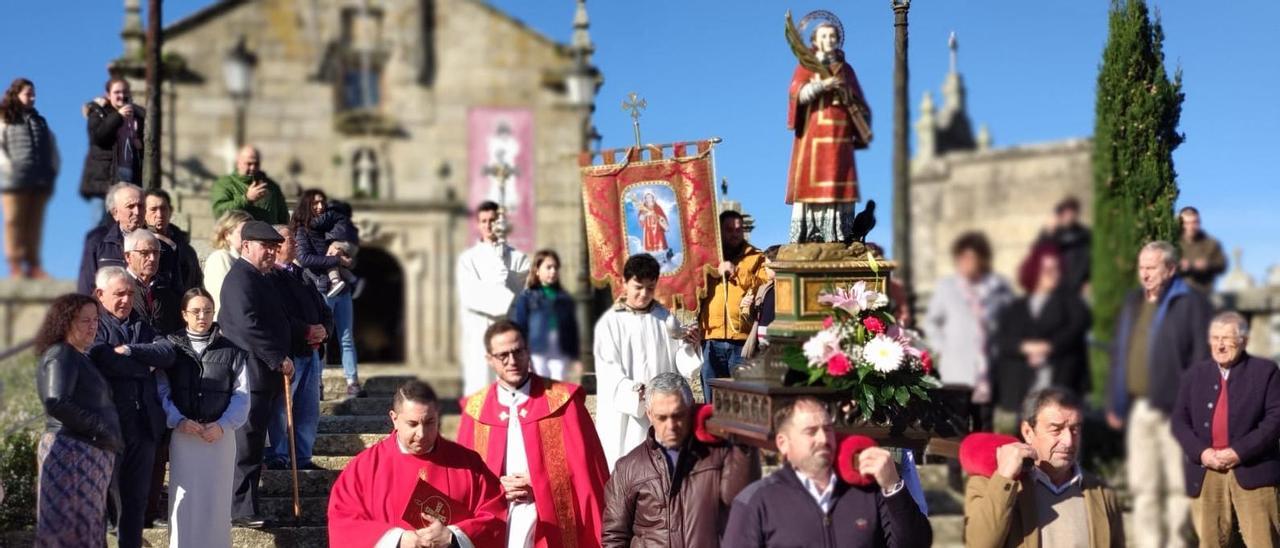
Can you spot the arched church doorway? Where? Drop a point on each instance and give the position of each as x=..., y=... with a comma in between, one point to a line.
x=379, y=311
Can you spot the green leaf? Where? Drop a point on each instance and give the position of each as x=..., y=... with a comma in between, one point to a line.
x=816, y=374
x=886, y=393
x=862, y=372
x=901, y=395
x=875, y=265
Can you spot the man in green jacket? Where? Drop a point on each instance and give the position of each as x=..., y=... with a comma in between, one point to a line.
x=250, y=190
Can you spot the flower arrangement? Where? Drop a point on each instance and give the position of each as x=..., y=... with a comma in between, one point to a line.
x=862, y=351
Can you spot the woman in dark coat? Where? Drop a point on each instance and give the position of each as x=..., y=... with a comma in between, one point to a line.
x=544, y=312
x=82, y=431
x=1040, y=338
x=28, y=166
x=315, y=256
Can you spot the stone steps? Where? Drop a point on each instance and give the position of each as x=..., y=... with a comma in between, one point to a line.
x=283, y=537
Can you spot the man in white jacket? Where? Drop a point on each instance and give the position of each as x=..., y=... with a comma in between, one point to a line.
x=489, y=275
x=635, y=341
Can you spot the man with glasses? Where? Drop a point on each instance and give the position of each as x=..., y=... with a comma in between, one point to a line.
x=1227, y=419
x=253, y=317
x=154, y=298
x=536, y=435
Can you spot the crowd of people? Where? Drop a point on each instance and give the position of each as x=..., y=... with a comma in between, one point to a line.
x=161, y=360
x=181, y=364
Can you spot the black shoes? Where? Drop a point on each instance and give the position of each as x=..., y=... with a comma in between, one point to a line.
x=251, y=522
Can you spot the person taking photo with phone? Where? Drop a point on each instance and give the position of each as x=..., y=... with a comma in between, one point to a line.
x=250, y=189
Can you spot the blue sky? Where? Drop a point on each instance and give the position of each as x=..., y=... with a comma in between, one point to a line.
x=721, y=69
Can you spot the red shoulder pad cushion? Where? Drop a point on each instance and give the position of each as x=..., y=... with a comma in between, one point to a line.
x=978, y=452
x=847, y=460
x=701, y=413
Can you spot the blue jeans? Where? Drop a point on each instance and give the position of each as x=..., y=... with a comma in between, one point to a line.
x=305, y=391
x=719, y=359
x=343, y=322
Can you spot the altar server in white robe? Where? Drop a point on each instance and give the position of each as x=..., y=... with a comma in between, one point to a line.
x=635, y=341
x=489, y=276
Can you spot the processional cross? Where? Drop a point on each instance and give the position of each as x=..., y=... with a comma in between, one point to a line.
x=634, y=103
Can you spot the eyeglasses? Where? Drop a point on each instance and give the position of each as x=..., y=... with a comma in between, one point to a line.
x=146, y=252
x=512, y=355
x=200, y=312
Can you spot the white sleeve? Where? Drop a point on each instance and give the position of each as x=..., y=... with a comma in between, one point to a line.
x=477, y=296
x=613, y=381
x=390, y=539
x=688, y=358
x=808, y=92
x=463, y=540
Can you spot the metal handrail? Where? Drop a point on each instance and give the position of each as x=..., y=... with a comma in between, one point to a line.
x=17, y=349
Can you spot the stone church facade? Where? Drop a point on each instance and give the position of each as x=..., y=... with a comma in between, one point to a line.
x=370, y=102
x=959, y=182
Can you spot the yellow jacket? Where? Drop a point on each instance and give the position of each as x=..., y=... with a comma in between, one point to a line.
x=748, y=275
x=1001, y=513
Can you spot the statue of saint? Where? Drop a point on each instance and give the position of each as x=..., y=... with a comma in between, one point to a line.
x=830, y=117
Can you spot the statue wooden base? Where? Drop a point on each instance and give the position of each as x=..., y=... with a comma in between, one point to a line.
x=804, y=271
x=745, y=405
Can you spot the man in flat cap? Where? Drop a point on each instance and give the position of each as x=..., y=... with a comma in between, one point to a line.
x=253, y=317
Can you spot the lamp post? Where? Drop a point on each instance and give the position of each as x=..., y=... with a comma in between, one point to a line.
x=581, y=85
x=237, y=74
x=901, y=152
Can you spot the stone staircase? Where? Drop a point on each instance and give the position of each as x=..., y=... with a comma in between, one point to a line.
x=349, y=425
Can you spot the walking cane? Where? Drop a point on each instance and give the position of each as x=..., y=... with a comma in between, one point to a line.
x=293, y=451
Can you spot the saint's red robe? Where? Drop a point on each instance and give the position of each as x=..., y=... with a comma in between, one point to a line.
x=566, y=461
x=371, y=494
x=653, y=222
x=822, y=169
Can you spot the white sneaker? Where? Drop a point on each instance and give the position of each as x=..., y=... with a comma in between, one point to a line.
x=335, y=289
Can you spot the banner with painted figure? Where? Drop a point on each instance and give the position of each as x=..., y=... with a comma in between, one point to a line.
x=665, y=206
x=500, y=169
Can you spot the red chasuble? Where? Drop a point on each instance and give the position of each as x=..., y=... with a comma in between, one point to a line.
x=822, y=169
x=566, y=462
x=372, y=493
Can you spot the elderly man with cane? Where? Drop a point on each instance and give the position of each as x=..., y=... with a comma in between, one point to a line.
x=253, y=317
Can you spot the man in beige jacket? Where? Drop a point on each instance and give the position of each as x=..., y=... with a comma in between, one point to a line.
x=1038, y=495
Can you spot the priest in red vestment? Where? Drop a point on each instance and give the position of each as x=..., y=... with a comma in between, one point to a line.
x=538, y=437
x=415, y=488
x=822, y=179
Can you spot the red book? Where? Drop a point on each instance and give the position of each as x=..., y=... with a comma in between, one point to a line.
x=426, y=500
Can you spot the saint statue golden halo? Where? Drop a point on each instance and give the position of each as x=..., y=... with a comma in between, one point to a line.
x=823, y=17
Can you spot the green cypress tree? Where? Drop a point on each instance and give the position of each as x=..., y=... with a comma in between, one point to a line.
x=1134, y=184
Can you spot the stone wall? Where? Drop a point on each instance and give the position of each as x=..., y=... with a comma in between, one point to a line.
x=482, y=58
x=1008, y=193
x=23, y=304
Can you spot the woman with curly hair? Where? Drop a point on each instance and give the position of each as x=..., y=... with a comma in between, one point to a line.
x=28, y=166
x=226, y=249
x=82, y=431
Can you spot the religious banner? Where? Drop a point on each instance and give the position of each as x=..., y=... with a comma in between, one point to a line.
x=500, y=169
x=664, y=206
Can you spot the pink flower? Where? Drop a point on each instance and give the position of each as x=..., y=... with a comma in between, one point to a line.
x=827, y=322
x=838, y=365
x=926, y=362
x=873, y=324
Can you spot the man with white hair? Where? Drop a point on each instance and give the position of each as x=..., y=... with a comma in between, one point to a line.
x=128, y=351
x=104, y=245
x=1227, y=419
x=1159, y=334
x=154, y=297
x=673, y=488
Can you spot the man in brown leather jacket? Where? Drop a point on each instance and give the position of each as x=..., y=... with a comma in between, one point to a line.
x=673, y=489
